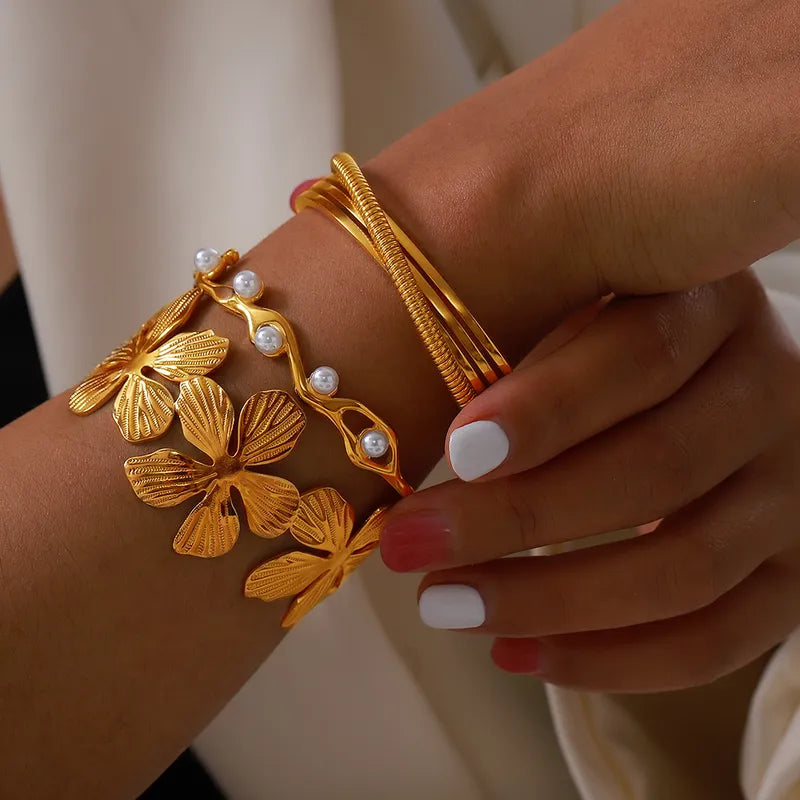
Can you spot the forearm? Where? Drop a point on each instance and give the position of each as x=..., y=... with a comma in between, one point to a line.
x=118, y=650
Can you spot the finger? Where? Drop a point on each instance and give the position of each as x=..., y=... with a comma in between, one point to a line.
x=566, y=331
x=635, y=354
x=641, y=470
x=672, y=654
x=695, y=557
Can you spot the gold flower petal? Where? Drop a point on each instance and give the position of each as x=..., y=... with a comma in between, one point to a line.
x=166, y=478
x=306, y=600
x=324, y=520
x=189, y=354
x=212, y=527
x=284, y=576
x=369, y=533
x=269, y=426
x=95, y=390
x=167, y=320
x=357, y=559
x=102, y=381
x=270, y=502
x=143, y=409
x=206, y=416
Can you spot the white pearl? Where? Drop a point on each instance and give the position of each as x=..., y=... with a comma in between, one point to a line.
x=247, y=284
x=324, y=380
x=268, y=340
x=206, y=260
x=374, y=443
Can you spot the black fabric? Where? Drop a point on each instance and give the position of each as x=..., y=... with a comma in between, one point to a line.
x=21, y=366
x=186, y=777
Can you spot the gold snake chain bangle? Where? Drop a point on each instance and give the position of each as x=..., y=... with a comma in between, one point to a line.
x=479, y=358
x=391, y=254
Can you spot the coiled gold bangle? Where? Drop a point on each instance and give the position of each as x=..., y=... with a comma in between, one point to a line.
x=478, y=356
x=460, y=348
x=380, y=232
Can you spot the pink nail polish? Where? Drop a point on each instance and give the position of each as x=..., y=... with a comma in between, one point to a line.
x=416, y=541
x=521, y=656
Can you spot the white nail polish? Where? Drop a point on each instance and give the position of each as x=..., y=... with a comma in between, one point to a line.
x=452, y=606
x=477, y=448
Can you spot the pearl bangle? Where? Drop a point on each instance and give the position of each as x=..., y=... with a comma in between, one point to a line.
x=373, y=448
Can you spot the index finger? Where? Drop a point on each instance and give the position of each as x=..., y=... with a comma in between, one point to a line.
x=635, y=354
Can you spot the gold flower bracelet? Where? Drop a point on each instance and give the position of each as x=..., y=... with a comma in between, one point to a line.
x=271, y=422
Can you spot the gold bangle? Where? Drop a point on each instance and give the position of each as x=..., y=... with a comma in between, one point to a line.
x=479, y=358
x=461, y=349
x=355, y=184
x=143, y=408
x=373, y=448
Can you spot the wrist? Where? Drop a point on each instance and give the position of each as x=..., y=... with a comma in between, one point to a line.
x=490, y=211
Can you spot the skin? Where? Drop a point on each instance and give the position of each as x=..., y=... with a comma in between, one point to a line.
x=646, y=188
x=676, y=406
x=589, y=171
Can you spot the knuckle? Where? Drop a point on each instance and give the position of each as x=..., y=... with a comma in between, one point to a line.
x=520, y=513
x=657, y=353
x=559, y=388
x=694, y=578
x=674, y=592
x=544, y=411
x=560, y=615
x=669, y=477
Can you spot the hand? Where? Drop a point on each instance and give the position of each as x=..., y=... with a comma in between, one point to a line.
x=653, y=151
x=683, y=407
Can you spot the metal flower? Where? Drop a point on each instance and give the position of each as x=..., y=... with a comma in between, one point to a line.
x=144, y=408
x=269, y=426
x=324, y=522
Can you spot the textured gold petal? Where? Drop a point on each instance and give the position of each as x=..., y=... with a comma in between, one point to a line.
x=143, y=409
x=284, y=576
x=102, y=381
x=269, y=426
x=370, y=532
x=357, y=559
x=324, y=520
x=95, y=391
x=190, y=354
x=206, y=415
x=166, y=321
x=212, y=527
x=270, y=502
x=166, y=478
x=305, y=601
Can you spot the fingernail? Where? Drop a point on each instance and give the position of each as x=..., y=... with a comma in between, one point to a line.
x=452, y=606
x=477, y=448
x=416, y=541
x=521, y=656
x=298, y=190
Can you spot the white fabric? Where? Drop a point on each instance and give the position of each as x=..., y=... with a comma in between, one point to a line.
x=771, y=749
x=136, y=131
